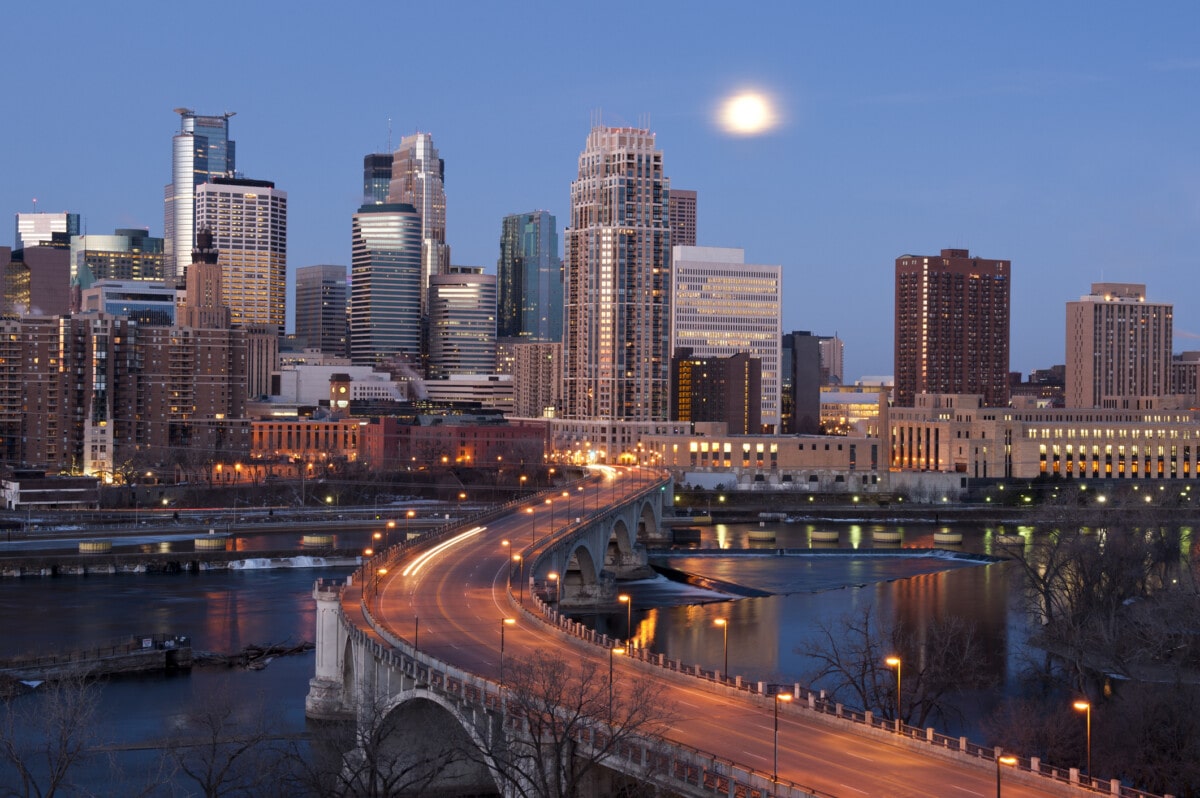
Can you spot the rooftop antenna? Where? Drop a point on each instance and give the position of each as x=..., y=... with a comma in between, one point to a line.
x=389, y=149
x=35, y=204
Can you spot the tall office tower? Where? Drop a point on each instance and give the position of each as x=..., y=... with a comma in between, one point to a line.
x=377, y=177
x=616, y=330
x=721, y=305
x=462, y=322
x=720, y=389
x=204, y=303
x=37, y=280
x=832, y=355
x=1118, y=346
x=530, y=277
x=801, y=382
x=128, y=254
x=321, y=303
x=385, y=284
x=682, y=212
x=419, y=179
x=952, y=323
x=537, y=378
x=38, y=229
x=248, y=222
x=200, y=151
x=147, y=302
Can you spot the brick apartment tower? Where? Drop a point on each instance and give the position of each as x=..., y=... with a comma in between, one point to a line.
x=952, y=326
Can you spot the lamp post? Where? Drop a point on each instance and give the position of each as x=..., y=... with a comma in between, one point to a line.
x=387, y=534
x=408, y=517
x=503, y=623
x=551, y=505
x=553, y=577
x=778, y=697
x=894, y=662
x=566, y=494
x=1002, y=759
x=611, y=652
x=377, y=537
x=416, y=633
x=520, y=581
x=532, y=527
x=505, y=544
x=724, y=624
x=627, y=600
x=378, y=600
x=1086, y=706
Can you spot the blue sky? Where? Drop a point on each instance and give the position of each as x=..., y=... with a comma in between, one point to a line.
x=1061, y=136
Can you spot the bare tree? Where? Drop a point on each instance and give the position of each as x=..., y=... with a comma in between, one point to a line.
x=45, y=737
x=851, y=656
x=563, y=722
x=224, y=748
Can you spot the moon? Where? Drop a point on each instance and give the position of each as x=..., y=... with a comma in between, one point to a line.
x=747, y=113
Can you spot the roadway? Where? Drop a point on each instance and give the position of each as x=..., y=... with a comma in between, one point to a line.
x=455, y=602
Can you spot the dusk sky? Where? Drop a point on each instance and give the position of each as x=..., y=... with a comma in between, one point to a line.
x=1064, y=137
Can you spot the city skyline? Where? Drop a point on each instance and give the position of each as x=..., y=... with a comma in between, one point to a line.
x=1060, y=143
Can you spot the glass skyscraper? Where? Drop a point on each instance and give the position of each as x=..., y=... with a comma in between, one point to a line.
x=419, y=179
x=462, y=322
x=200, y=151
x=377, y=177
x=530, y=277
x=385, y=284
x=321, y=304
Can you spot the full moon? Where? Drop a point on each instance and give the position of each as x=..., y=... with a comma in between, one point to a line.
x=747, y=113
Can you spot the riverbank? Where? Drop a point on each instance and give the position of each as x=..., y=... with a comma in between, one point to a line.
x=61, y=565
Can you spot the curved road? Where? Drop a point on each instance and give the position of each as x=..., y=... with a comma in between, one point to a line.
x=456, y=602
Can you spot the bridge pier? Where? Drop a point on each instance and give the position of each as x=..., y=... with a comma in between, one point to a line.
x=326, y=699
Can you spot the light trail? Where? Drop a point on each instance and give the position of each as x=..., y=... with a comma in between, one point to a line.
x=416, y=565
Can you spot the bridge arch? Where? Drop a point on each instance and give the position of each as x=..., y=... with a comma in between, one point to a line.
x=620, y=545
x=581, y=570
x=647, y=523
x=349, y=674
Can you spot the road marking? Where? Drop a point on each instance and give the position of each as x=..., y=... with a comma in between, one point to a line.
x=688, y=704
x=754, y=755
x=964, y=789
x=848, y=787
x=858, y=756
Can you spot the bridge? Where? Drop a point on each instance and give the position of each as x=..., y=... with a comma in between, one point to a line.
x=414, y=647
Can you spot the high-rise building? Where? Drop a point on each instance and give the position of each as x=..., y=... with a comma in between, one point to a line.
x=682, y=212
x=530, y=277
x=248, y=222
x=321, y=309
x=800, y=369
x=38, y=229
x=204, y=304
x=462, y=322
x=200, y=151
x=717, y=389
x=952, y=326
x=1118, y=346
x=536, y=379
x=833, y=351
x=37, y=280
x=419, y=179
x=377, y=177
x=147, y=302
x=721, y=305
x=385, y=284
x=616, y=331
x=128, y=254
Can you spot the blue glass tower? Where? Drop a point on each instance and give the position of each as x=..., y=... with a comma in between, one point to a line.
x=530, y=277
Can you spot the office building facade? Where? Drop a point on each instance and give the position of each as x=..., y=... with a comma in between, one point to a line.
x=681, y=208
x=322, y=305
x=1118, y=346
x=38, y=229
x=419, y=179
x=800, y=395
x=385, y=284
x=127, y=254
x=200, y=151
x=377, y=177
x=530, y=279
x=722, y=306
x=727, y=390
x=952, y=326
x=537, y=380
x=462, y=323
x=616, y=332
x=248, y=222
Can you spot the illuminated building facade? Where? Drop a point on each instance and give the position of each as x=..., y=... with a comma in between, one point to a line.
x=530, y=279
x=39, y=229
x=462, y=322
x=128, y=254
x=720, y=389
x=681, y=209
x=616, y=335
x=1118, y=346
x=377, y=178
x=536, y=379
x=419, y=180
x=248, y=222
x=952, y=326
x=385, y=284
x=722, y=306
x=200, y=151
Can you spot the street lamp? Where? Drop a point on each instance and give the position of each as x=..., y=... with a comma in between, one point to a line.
x=378, y=601
x=505, y=544
x=368, y=553
x=627, y=600
x=778, y=697
x=503, y=623
x=387, y=535
x=724, y=624
x=551, y=506
x=1086, y=706
x=1001, y=759
x=611, y=653
x=532, y=527
x=566, y=494
x=553, y=577
x=894, y=662
x=520, y=582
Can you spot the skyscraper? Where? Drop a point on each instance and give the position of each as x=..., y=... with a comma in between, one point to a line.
x=530, y=278
x=385, y=284
x=37, y=229
x=248, y=222
x=616, y=332
x=952, y=325
x=377, y=177
x=128, y=254
x=722, y=306
x=321, y=306
x=682, y=211
x=462, y=322
x=419, y=179
x=1118, y=346
x=200, y=150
